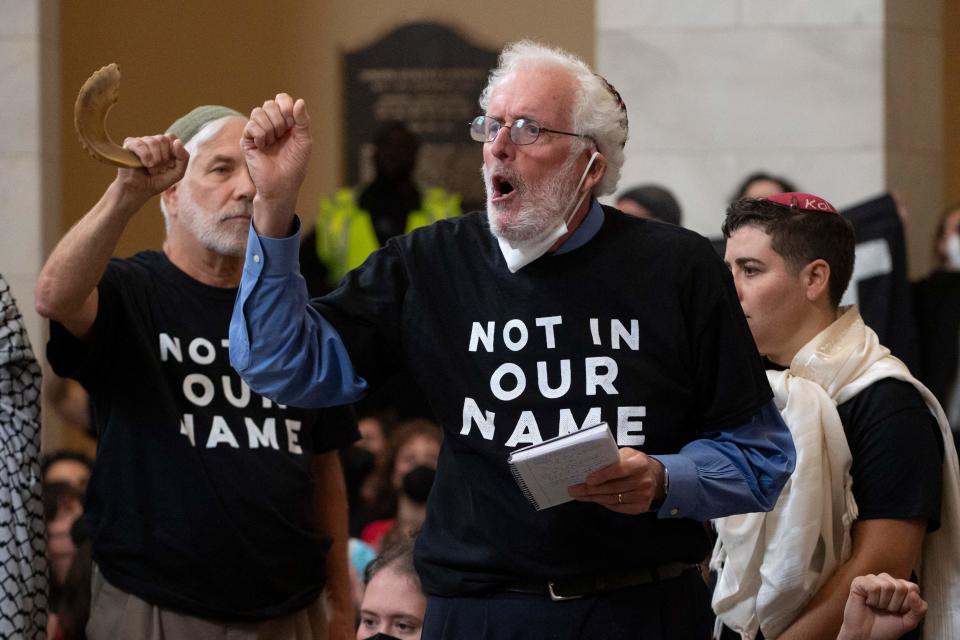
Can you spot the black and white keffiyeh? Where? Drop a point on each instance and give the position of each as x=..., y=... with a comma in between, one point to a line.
x=23, y=574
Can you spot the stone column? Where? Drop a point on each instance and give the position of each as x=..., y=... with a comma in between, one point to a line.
x=30, y=205
x=843, y=98
x=29, y=149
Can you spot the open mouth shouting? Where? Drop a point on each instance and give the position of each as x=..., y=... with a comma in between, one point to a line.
x=503, y=186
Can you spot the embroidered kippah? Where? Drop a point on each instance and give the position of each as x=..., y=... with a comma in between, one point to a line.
x=620, y=104
x=802, y=201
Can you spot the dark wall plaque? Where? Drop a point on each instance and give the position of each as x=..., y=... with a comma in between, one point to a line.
x=430, y=77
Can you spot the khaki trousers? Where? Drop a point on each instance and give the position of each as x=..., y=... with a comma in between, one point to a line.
x=118, y=615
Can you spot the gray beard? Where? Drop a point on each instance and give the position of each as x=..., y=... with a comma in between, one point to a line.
x=204, y=225
x=543, y=205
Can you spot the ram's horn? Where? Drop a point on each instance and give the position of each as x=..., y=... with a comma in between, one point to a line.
x=97, y=95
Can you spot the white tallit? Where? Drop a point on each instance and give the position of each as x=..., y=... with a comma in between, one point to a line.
x=770, y=564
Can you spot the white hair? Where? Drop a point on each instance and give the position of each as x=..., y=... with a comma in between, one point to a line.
x=598, y=110
x=200, y=138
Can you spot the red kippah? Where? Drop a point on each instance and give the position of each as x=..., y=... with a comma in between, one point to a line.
x=802, y=201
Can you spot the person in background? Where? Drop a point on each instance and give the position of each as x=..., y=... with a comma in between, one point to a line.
x=761, y=184
x=373, y=436
x=23, y=566
x=937, y=307
x=63, y=506
x=355, y=221
x=651, y=201
x=373, y=439
x=758, y=184
x=393, y=604
x=68, y=621
x=65, y=477
x=68, y=555
x=69, y=467
x=405, y=480
x=70, y=402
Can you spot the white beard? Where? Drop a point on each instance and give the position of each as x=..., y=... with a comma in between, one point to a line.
x=208, y=226
x=543, y=205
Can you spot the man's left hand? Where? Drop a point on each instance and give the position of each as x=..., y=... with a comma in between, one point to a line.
x=628, y=486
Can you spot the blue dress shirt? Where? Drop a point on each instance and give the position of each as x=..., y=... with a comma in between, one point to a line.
x=287, y=351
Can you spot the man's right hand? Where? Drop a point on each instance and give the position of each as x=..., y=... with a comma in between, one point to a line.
x=276, y=143
x=67, y=286
x=164, y=163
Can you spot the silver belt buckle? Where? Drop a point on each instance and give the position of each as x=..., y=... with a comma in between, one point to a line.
x=558, y=598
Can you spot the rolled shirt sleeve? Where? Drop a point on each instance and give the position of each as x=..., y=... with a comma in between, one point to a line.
x=738, y=470
x=279, y=344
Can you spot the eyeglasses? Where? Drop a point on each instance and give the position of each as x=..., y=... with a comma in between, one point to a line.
x=522, y=131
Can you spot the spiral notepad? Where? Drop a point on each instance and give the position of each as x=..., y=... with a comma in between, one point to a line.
x=543, y=471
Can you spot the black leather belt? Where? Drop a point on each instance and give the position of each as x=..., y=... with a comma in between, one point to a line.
x=573, y=587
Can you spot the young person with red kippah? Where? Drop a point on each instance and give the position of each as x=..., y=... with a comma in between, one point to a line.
x=876, y=483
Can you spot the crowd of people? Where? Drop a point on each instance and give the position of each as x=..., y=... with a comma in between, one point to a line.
x=275, y=465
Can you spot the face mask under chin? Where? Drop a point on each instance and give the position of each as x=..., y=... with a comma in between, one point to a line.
x=519, y=254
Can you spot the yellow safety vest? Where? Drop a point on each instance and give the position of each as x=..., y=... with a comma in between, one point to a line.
x=345, y=234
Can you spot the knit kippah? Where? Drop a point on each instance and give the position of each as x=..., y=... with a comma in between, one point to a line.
x=187, y=126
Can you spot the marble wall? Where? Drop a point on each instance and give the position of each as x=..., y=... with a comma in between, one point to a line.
x=846, y=98
x=29, y=148
x=914, y=102
x=841, y=97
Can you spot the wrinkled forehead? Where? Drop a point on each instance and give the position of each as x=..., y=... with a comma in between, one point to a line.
x=217, y=136
x=217, y=140
x=543, y=92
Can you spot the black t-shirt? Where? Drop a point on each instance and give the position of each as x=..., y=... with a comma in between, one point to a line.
x=937, y=307
x=897, y=453
x=896, y=450
x=640, y=327
x=201, y=496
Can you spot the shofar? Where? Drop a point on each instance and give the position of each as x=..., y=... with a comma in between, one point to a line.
x=97, y=95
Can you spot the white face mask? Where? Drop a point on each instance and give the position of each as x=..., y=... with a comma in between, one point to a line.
x=519, y=254
x=953, y=251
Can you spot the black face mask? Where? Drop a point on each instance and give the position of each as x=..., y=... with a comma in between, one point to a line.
x=417, y=483
x=383, y=636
